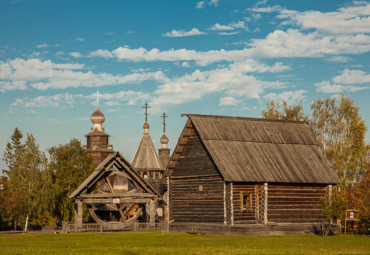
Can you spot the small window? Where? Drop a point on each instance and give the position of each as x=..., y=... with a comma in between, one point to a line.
x=246, y=202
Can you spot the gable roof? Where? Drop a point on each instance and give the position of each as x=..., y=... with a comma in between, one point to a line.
x=262, y=150
x=146, y=157
x=122, y=164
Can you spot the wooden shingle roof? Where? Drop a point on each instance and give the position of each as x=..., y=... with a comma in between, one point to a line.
x=262, y=150
x=110, y=161
x=146, y=157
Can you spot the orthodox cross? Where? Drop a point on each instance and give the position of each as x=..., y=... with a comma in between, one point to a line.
x=146, y=106
x=164, y=116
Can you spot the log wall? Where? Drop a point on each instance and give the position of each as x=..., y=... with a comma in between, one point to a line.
x=197, y=199
x=194, y=159
x=247, y=216
x=295, y=203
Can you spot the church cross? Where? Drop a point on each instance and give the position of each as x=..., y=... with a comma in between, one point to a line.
x=146, y=106
x=164, y=116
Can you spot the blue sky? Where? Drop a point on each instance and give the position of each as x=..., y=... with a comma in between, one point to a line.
x=209, y=57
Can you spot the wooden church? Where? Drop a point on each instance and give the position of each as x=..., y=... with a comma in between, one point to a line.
x=234, y=175
x=118, y=193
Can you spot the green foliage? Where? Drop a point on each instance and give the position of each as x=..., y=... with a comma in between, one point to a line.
x=22, y=185
x=289, y=112
x=338, y=128
x=69, y=166
x=161, y=243
x=36, y=191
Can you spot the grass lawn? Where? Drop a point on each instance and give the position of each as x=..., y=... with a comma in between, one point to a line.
x=160, y=243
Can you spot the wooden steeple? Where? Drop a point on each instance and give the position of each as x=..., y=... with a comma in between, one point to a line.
x=97, y=140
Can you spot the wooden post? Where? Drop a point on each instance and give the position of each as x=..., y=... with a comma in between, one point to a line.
x=78, y=214
x=232, y=203
x=152, y=211
x=257, y=213
x=225, y=217
x=266, y=204
x=168, y=200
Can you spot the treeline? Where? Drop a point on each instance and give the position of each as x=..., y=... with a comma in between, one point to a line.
x=35, y=188
x=338, y=129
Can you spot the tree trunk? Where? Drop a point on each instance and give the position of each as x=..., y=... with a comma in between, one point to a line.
x=26, y=226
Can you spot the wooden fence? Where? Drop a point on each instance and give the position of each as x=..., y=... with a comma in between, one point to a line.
x=68, y=227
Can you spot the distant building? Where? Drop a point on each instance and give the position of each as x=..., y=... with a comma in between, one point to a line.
x=97, y=140
x=146, y=160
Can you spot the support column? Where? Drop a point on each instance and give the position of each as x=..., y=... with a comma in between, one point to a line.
x=232, y=203
x=152, y=209
x=168, y=200
x=225, y=216
x=265, y=209
x=330, y=191
x=78, y=213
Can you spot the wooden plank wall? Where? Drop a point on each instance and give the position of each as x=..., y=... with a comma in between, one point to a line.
x=190, y=203
x=194, y=160
x=295, y=203
x=246, y=216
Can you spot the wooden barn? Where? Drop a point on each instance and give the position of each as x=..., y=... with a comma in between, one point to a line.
x=246, y=176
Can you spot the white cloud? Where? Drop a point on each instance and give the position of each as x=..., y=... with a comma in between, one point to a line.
x=228, y=101
x=201, y=58
x=43, y=46
x=268, y=9
x=347, y=81
x=347, y=20
x=328, y=87
x=352, y=77
x=293, y=43
x=58, y=100
x=290, y=43
x=80, y=39
x=229, y=33
x=291, y=97
x=101, y=53
x=213, y=3
x=339, y=59
x=20, y=74
x=230, y=27
x=75, y=54
x=218, y=27
x=200, y=5
x=232, y=80
x=64, y=100
x=183, y=33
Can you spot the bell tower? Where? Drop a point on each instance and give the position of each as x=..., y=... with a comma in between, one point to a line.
x=97, y=140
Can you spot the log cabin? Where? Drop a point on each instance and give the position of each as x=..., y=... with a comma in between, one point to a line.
x=236, y=175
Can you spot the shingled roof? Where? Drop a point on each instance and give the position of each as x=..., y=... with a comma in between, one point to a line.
x=146, y=157
x=262, y=150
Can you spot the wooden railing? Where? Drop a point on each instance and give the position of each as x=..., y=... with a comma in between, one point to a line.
x=68, y=227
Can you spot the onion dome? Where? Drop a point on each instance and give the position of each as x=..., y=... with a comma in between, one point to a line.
x=164, y=139
x=97, y=117
x=146, y=125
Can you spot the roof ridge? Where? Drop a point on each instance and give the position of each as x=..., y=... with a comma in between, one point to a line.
x=242, y=118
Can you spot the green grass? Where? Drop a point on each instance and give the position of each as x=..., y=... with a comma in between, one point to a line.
x=132, y=243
